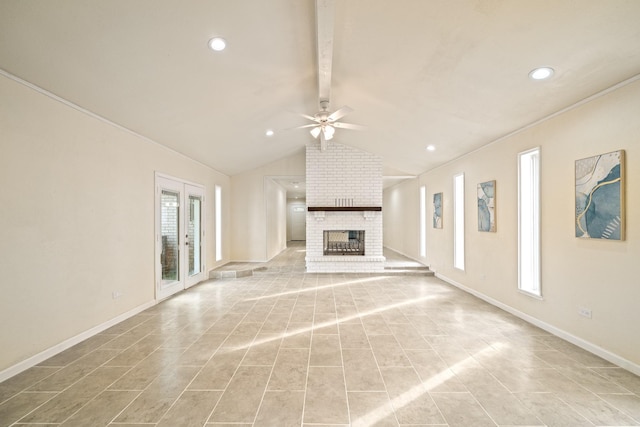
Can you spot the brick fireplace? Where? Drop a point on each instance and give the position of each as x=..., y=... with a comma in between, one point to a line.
x=344, y=194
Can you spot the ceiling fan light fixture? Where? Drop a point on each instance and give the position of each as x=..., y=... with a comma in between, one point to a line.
x=541, y=73
x=217, y=44
x=431, y=148
x=315, y=132
x=328, y=132
x=269, y=132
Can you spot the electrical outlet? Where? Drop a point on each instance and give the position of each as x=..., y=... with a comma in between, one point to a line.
x=584, y=312
x=116, y=294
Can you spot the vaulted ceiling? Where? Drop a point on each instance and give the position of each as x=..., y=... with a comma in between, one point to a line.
x=447, y=73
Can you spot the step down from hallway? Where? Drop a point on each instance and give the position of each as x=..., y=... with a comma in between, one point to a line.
x=237, y=270
x=408, y=271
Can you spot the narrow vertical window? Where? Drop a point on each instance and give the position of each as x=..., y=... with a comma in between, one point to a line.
x=529, y=221
x=458, y=221
x=423, y=221
x=218, y=223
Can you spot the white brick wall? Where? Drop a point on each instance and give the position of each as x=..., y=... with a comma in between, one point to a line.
x=342, y=172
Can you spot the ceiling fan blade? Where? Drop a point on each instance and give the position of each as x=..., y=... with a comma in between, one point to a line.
x=348, y=126
x=306, y=116
x=304, y=126
x=338, y=114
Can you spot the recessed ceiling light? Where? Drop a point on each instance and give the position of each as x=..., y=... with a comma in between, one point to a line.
x=431, y=147
x=541, y=73
x=217, y=44
x=269, y=132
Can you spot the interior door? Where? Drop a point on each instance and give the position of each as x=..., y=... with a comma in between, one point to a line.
x=298, y=218
x=179, y=235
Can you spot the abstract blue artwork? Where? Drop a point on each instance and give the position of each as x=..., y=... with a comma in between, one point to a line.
x=487, y=206
x=437, y=210
x=600, y=197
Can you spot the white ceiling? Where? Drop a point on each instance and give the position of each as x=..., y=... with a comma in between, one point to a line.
x=452, y=73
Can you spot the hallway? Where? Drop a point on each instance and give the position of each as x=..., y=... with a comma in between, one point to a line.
x=286, y=348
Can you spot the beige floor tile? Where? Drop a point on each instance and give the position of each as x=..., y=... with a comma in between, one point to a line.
x=388, y=351
x=506, y=409
x=101, y=410
x=552, y=411
x=325, y=324
x=408, y=337
x=361, y=370
x=592, y=381
x=135, y=354
x=434, y=373
x=298, y=335
x=374, y=324
x=140, y=376
x=241, y=399
x=622, y=377
x=597, y=410
x=627, y=403
x=290, y=370
x=75, y=397
x=217, y=373
x=410, y=399
x=353, y=336
x=155, y=401
x=25, y=380
x=62, y=379
x=20, y=405
x=325, y=351
x=462, y=410
x=479, y=381
x=302, y=314
x=326, y=399
x=201, y=351
x=191, y=410
x=280, y=408
x=371, y=409
x=264, y=350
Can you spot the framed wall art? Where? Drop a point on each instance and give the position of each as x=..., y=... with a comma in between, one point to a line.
x=437, y=210
x=487, y=206
x=600, y=196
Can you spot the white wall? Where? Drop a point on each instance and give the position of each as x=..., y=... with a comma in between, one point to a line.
x=249, y=236
x=276, y=210
x=601, y=275
x=401, y=208
x=78, y=220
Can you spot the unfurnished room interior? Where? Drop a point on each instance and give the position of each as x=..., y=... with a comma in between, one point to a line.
x=320, y=213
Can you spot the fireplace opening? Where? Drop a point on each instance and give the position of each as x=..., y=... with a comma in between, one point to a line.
x=344, y=242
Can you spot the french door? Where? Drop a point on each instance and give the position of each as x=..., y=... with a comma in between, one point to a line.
x=179, y=235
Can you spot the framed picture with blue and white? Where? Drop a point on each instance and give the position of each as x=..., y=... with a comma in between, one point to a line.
x=600, y=206
x=437, y=210
x=487, y=206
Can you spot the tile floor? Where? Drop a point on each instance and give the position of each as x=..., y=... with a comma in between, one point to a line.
x=285, y=348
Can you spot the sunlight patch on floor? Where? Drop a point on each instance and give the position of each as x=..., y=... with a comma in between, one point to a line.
x=316, y=288
x=371, y=312
x=414, y=393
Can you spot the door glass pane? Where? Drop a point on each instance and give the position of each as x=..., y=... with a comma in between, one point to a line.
x=169, y=217
x=194, y=233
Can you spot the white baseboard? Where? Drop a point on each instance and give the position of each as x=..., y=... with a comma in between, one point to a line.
x=58, y=348
x=585, y=345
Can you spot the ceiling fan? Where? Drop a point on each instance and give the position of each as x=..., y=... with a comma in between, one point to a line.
x=326, y=122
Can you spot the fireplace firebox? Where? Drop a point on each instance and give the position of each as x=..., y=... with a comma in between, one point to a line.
x=344, y=242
